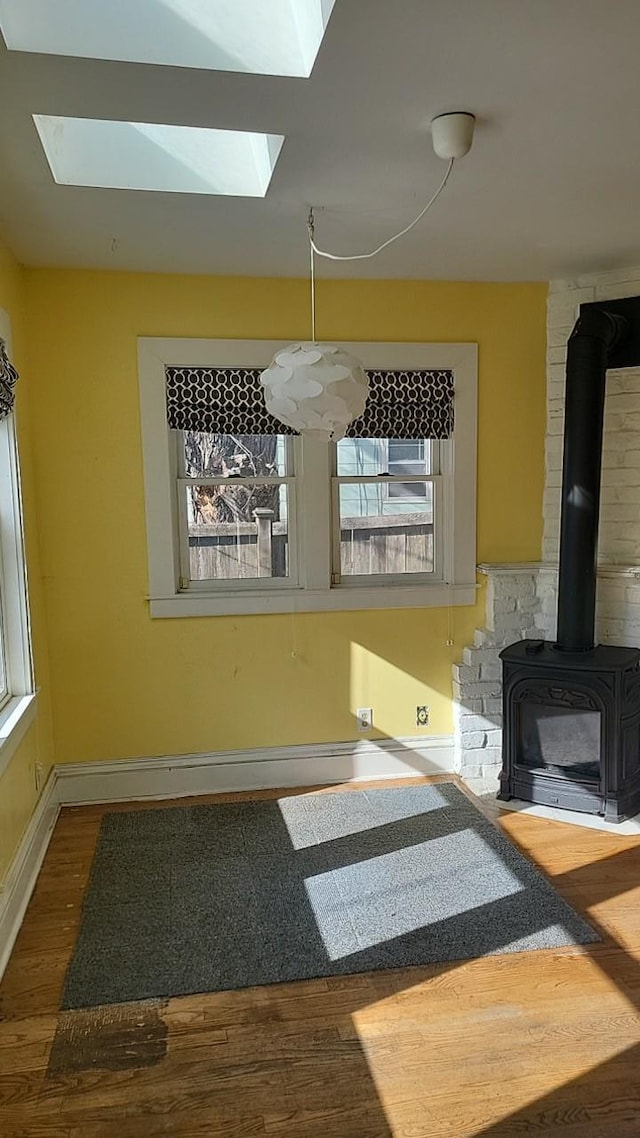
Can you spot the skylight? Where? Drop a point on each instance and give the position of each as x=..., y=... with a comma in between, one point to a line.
x=149, y=156
x=267, y=37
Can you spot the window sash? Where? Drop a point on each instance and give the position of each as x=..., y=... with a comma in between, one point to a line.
x=347, y=580
x=199, y=479
x=433, y=461
x=431, y=455
x=231, y=584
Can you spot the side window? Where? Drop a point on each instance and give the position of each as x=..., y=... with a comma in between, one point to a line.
x=16, y=676
x=4, y=672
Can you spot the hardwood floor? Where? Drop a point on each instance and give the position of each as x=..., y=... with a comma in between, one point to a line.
x=530, y=1043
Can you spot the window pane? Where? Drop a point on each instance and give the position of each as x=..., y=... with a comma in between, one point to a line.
x=383, y=456
x=362, y=456
x=237, y=531
x=222, y=456
x=379, y=535
x=4, y=687
x=408, y=491
x=407, y=450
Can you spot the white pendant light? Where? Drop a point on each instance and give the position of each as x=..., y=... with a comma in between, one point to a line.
x=315, y=388
x=320, y=389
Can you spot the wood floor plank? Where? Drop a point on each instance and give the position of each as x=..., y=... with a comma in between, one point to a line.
x=544, y=1043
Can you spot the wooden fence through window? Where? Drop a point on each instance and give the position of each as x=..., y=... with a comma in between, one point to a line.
x=385, y=544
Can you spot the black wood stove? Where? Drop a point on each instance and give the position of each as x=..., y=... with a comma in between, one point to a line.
x=571, y=709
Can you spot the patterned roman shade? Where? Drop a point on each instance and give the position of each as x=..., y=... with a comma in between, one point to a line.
x=229, y=401
x=8, y=378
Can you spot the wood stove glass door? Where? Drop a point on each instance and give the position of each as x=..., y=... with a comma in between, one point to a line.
x=560, y=741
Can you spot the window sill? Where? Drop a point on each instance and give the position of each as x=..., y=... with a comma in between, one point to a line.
x=338, y=599
x=15, y=720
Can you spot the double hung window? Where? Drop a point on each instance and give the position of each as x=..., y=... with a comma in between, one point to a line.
x=245, y=516
x=17, y=706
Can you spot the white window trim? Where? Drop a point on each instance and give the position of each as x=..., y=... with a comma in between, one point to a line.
x=458, y=459
x=18, y=712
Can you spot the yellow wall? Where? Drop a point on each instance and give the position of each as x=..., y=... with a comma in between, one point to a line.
x=18, y=794
x=124, y=685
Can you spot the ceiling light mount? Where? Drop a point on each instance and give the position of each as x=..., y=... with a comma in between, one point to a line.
x=452, y=134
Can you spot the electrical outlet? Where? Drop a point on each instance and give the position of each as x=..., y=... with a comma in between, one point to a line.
x=364, y=716
x=422, y=716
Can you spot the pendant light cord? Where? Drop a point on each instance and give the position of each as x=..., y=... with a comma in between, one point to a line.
x=311, y=228
x=374, y=252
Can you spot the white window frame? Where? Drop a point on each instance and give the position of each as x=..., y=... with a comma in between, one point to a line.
x=248, y=583
x=17, y=710
x=436, y=479
x=313, y=474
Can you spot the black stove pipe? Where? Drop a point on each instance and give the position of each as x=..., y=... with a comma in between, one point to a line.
x=596, y=333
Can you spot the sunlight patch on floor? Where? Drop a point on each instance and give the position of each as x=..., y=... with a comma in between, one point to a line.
x=455, y=1046
x=377, y=899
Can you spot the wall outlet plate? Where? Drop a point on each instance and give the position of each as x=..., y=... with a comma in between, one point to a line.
x=422, y=715
x=364, y=717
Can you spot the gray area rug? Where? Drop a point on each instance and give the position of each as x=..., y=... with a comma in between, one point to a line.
x=205, y=898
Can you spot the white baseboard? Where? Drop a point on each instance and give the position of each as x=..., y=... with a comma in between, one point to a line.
x=179, y=776
x=25, y=867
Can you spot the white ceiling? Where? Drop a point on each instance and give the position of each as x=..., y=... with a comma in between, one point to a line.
x=551, y=187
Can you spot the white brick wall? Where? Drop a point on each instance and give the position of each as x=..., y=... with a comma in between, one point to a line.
x=521, y=600
x=512, y=608
x=618, y=603
x=619, y=537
